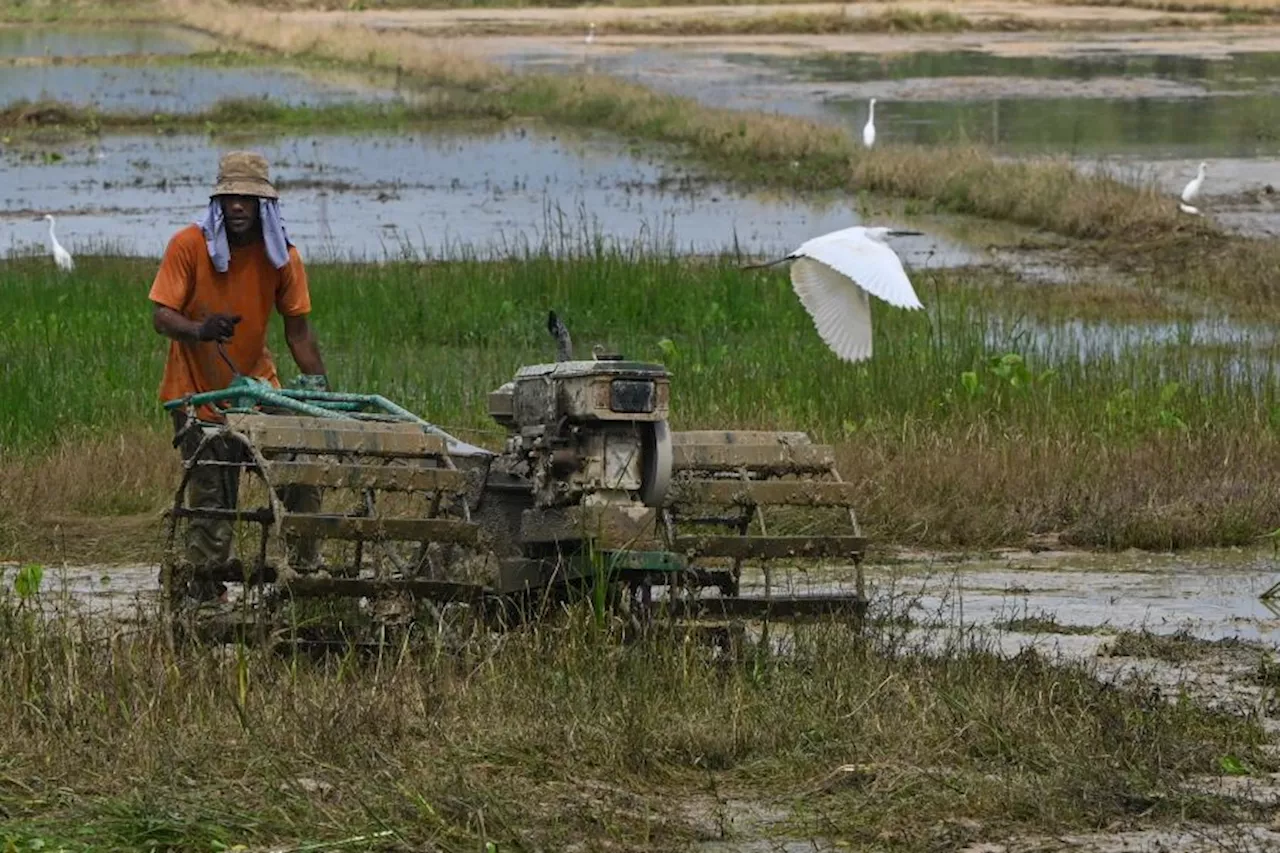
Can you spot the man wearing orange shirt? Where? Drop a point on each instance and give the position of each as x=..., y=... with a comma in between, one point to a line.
x=217, y=285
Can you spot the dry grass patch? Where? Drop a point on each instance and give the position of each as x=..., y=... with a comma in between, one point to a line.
x=984, y=487
x=89, y=500
x=434, y=62
x=558, y=734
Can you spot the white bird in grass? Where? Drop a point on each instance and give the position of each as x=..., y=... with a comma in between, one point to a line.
x=836, y=274
x=591, y=34
x=869, y=129
x=1191, y=192
x=61, y=256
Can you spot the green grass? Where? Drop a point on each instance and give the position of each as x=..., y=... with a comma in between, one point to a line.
x=559, y=734
x=438, y=335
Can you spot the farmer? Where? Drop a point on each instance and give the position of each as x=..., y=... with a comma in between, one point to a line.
x=217, y=284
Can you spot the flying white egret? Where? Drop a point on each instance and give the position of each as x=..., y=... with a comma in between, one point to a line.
x=61, y=256
x=835, y=274
x=591, y=34
x=869, y=129
x=1191, y=192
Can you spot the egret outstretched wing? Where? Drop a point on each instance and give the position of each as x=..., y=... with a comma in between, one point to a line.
x=841, y=312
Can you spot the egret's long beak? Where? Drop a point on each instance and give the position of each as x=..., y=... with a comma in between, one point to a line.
x=765, y=264
x=906, y=233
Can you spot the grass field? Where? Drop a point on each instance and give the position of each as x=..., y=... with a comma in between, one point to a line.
x=559, y=736
x=959, y=435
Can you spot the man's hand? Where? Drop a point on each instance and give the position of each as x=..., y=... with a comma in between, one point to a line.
x=218, y=327
x=311, y=382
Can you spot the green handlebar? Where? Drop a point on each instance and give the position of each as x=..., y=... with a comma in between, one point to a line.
x=245, y=395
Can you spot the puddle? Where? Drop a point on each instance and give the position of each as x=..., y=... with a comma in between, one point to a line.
x=378, y=196
x=172, y=89
x=118, y=591
x=1213, y=595
x=26, y=41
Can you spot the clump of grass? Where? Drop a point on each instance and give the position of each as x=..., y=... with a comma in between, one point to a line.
x=1044, y=623
x=240, y=114
x=850, y=20
x=558, y=734
x=43, y=113
x=779, y=23
x=1179, y=647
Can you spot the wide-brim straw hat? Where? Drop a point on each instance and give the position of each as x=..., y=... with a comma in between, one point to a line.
x=244, y=173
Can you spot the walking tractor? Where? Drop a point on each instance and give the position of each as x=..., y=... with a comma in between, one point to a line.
x=592, y=493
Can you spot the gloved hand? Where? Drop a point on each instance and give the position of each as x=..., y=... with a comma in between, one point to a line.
x=218, y=327
x=311, y=382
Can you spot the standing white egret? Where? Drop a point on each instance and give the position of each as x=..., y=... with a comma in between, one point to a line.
x=835, y=274
x=61, y=256
x=1191, y=192
x=869, y=130
x=591, y=34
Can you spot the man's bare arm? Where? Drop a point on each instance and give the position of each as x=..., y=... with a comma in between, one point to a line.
x=302, y=344
x=171, y=324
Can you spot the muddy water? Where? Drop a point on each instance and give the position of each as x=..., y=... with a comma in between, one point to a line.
x=1211, y=594
x=380, y=196
x=98, y=40
x=172, y=89
x=117, y=591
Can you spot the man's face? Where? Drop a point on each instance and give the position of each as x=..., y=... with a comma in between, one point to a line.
x=240, y=213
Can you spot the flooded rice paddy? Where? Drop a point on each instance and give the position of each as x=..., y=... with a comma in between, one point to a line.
x=376, y=196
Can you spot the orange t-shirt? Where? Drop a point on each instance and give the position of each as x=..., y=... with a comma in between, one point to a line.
x=188, y=283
